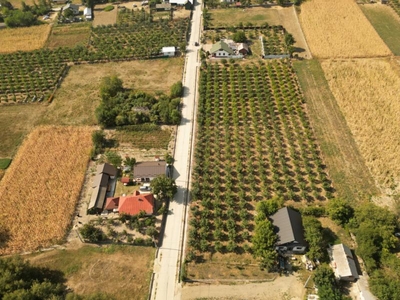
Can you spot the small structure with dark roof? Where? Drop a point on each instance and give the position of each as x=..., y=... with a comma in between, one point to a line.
x=289, y=228
x=125, y=180
x=163, y=6
x=148, y=170
x=342, y=263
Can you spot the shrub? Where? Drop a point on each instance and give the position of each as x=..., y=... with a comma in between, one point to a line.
x=91, y=233
x=109, y=8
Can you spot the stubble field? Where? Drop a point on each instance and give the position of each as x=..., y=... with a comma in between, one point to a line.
x=24, y=38
x=338, y=29
x=367, y=93
x=40, y=189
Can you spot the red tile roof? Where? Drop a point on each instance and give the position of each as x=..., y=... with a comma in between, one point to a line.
x=125, y=180
x=112, y=203
x=133, y=204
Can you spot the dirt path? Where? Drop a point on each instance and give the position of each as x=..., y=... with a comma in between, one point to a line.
x=289, y=287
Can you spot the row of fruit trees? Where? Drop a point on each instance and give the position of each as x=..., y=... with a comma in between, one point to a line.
x=254, y=142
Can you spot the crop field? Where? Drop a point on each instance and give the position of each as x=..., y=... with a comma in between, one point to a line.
x=395, y=4
x=69, y=36
x=367, y=93
x=254, y=142
x=121, y=272
x=24, y=38
x=386, y=22
x=233, y=16
x=339, y=29
x=41, y=187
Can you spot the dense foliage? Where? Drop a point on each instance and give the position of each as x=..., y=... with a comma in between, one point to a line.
x=91, y=233
x=340, y=211
x=163, y=187
x=24, y=17
x=313, y=234
x=325, y=281
x=264, y=240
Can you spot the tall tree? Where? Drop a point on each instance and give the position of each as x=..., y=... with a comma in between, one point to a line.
x=164, y=187
x=264, y=240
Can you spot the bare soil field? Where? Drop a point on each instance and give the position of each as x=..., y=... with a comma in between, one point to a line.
x=118, y=271
x=336, y=29
x=69, y=35
x=24, y=38
x=345, y=165
x=102, y=17
x=41, y=187
x=367, y=93
x=77, y=98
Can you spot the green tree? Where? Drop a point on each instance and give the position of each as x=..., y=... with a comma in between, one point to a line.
x=68, y=13
x=91, y=233
x=239, y=37
x=110, y=86
x=264, y=240
x=130, y=161
x=269, y=207
x=18, y=18
x=113, y=158
x=325, y=281
x=98, y=139
x=176, y=90
x=169, y=159
x=164, y=187
x=313, y=235
x=340, y=211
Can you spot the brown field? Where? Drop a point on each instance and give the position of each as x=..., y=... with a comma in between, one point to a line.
x=24, y=38
x=69, y=35
x=75, y=102
x=336, y=29
x=40, y=189
x=367, y=93
x=104, y=17
x=17, y=3
x=122, y=272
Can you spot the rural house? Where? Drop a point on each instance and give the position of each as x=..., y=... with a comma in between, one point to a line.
x=103, y=184
x=168, y=51
x=87, y=12
x=342, y=262
x=163, y=7
x=289, y=228
x=220, y=50
x=148, y=170
x=131, y=204
x=73, y=7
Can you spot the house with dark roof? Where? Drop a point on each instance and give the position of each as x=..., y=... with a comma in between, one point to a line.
x=131, y=204
x=102, y=185
x=289, y=228
x=148, y=170
x=342, y=263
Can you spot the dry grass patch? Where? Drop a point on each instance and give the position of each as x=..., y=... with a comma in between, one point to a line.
x=41, y=187
x=69, y=35
x=78, y=97
x=367, y=93
x=24, y=38
x=339, y=29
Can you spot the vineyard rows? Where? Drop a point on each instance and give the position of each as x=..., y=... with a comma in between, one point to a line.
x=395, y=4
x=31, y=76
x=254, y=143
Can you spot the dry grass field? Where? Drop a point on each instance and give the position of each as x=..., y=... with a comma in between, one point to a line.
x=77, y=98
x=40, y=189
x=336, y=29
x=24, y=38
x=122, y=272
x=69, y=35
x=367, y=91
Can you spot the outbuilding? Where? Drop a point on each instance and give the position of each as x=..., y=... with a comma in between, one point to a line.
x=168, y=51
x=343, y=263
x=87, y=12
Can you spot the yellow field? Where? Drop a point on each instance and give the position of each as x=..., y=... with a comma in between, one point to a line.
x=339, y=29
x=24, y=38
x=367, y=91
x=41, y=187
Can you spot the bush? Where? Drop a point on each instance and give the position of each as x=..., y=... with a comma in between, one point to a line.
x=340, y=211
x=109, y=8
x=176, y=90
x=91, y=233
x=18, y=18
x=239, y=37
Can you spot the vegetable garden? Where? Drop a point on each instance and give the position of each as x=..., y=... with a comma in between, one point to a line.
x=254, y=143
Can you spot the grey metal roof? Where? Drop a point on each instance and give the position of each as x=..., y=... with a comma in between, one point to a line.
x=345, y=265
x=148, y=169
x=289, y=226
x=106, y=169
x=100, y=180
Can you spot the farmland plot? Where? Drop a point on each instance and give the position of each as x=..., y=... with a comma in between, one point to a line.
x=367, y=93
x=254, y=142
x=41, y=187
x=339, y=29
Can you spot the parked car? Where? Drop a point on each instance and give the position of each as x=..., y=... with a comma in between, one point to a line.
x=196, y=44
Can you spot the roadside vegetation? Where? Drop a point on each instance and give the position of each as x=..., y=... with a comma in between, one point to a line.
x=26, y=16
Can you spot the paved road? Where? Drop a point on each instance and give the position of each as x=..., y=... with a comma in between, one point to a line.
x=166, y=272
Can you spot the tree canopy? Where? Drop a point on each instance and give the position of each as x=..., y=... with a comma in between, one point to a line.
x=264, y=240
x=340, y=211
x=239, y=37
x=325, y=281
x=164, y=187
x=313, y=235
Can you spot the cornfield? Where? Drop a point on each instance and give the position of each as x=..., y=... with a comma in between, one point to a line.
x=338, y=29
x=41, y=187
x=24, y=38
x=367, y=92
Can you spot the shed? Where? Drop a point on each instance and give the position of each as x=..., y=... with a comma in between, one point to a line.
x=289, y=228
x=243, y=48
x=168, y=51
x=125, y=180
x=87, y=12
x=342, y=262
x=163, y=6
x=105, y=174
x=221, y=49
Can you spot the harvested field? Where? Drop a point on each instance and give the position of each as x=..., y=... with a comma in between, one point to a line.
x=234, y=16
x=77, y=98
x=367, y=93
x=122, y=272
x=69, y=35
x=104, y=17
x=386, y=22
x=24, y=38
x=336, y=29
x=41, y=187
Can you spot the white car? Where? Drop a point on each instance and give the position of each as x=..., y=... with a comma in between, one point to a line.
x=46, y=17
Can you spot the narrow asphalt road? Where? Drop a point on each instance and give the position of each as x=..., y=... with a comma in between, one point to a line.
x=166, y=265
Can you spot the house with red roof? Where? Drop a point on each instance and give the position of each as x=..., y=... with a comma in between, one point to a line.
x=131, y=204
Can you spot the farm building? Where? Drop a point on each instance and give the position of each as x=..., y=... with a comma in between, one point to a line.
x=125, y=180
x=87, y=12
x=131, y=204
x=221, y=49
x=102, y=185
x=243, y=48
x=148, y=170
x=163, y=6
x=73, y=7
x=188, y=4
x=289, y=228
x=168, y=51
x=342, y=262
